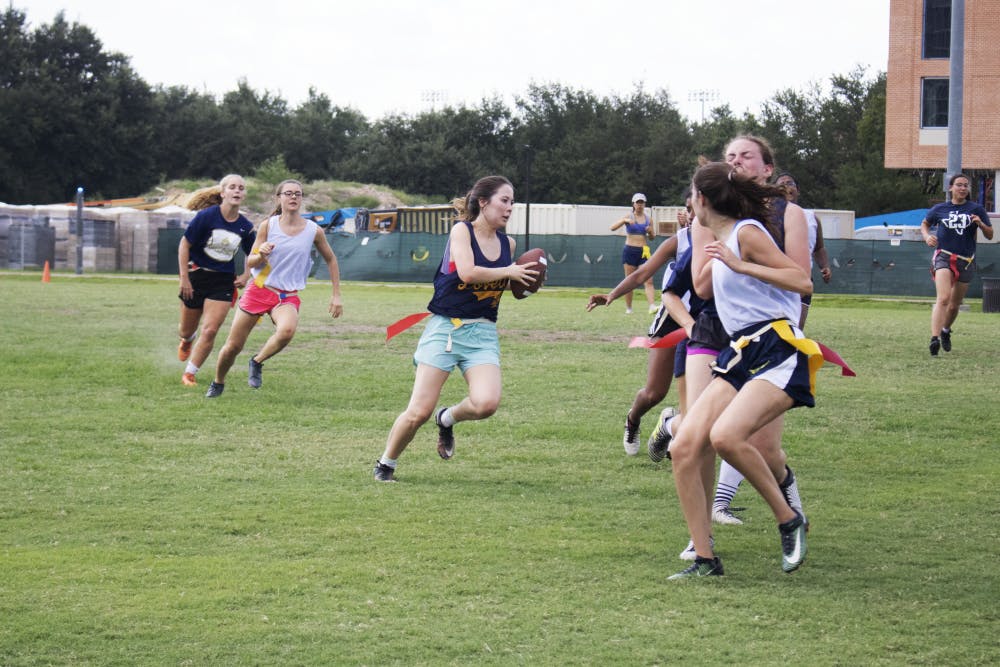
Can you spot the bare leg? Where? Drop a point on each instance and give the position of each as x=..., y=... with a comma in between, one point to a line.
x=629, y=269
x=215, y=313
x=286, y=320
x=426, y=392
x=659, y=373
x=243, y=324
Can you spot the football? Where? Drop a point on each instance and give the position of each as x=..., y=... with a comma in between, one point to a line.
x=522, y=291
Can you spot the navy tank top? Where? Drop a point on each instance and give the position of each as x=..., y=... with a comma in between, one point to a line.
x=469, y=301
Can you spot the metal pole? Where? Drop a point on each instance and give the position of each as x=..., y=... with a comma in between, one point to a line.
x=527, y=199
x=79, y=230
x=956, y=89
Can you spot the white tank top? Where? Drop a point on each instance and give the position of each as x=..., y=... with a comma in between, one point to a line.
x=291, y=260
x=744, y=301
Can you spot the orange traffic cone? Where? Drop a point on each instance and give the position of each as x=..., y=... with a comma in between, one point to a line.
x=46, y=274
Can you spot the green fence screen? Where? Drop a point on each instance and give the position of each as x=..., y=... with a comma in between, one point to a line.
x=859, y=267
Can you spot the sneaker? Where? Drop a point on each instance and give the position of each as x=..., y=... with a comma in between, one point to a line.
x=793, y=543
x=188, y=380
x=628, y=311
x=184, y=349
x=215, y=389
x=631, y=438
x=701, y=567
x=689, y=553
x=946, y=340
x=653, y=308
x=383, y=473
x=935, y=346
x=256, y=369
x=446, y=437
x=658, y=446
x=725, y=517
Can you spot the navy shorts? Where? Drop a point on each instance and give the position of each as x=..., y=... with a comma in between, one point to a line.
x=632, y=255
x=769, y=358
x=680, y=359
x=662, y=323
x=211, y=285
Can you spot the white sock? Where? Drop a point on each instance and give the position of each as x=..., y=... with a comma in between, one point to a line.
x=446, y=419
x=191, y=368
x=190, y=338
x=670, y=426
x=386, y=461
x=729, y=483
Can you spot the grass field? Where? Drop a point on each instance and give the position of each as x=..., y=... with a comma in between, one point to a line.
x=143, y=524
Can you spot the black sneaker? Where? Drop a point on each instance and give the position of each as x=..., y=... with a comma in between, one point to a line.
x=446, y=437
x=658, y=446
x=793, y=543
x=935, y=346
x=383, y=473
x=701, y=567
x=946, y=340
x=215, y=390
x=256, y=370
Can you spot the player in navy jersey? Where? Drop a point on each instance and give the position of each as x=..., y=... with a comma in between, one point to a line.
x=207, y=268
x=951, y=229
x=477, y=267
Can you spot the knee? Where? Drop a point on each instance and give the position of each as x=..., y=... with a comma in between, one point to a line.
x=484, y=408
x=284, y=334
x=724, y=442
x=231, y=349
x=415, y=417
x=209, y=331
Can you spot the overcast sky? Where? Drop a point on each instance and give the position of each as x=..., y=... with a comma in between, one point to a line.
x=406, y=56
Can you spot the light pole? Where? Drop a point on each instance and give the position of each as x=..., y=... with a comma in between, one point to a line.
x=528, y=154
x=706, y=95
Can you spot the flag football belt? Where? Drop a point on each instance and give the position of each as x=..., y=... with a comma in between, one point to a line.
x=783, y=328
x=953, y=261
x=402, y=325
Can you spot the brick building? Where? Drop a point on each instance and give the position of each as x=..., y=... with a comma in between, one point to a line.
x=916, y=124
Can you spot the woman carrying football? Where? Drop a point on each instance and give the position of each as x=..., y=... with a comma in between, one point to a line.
x=476, y=269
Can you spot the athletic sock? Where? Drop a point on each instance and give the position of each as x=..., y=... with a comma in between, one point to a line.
x=790, y=489
x=670, y=426
x=729, y=483
x=386, y=461
x=446, y=419
x=191, y=368
x=190, y=338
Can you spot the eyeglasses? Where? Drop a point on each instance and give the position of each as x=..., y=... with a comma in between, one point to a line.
x=290, y=194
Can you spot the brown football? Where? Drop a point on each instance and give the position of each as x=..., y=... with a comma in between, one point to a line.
x=522, y=291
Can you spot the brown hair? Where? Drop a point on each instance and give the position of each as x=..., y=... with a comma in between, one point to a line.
x=277, y=193
x=468, y=208
x=734, y=194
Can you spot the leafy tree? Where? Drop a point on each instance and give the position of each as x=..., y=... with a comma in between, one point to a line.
x=70, y=114
x=321, y=137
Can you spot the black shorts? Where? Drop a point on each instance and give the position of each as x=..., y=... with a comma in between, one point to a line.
x=211, y=285
x=708, y=333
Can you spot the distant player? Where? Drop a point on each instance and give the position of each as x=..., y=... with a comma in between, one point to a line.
x=958, y=221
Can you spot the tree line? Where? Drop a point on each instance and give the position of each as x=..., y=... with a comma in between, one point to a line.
x=74, y=114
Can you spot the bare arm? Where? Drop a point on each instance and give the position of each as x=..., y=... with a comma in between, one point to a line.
x=701, y=265
x=632, y=281
x=465, y=262
x=925, y=230
x=336, y=307
x=797, y=236
x=183, y=257
x=986, y=229
x=820, y=255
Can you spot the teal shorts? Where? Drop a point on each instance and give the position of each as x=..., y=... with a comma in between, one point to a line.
x=443, y=346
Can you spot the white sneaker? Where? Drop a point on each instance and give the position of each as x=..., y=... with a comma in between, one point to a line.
x=631, y=438
x=689, y=553
x=653, y=308
x=628, y=311
x=725, y=517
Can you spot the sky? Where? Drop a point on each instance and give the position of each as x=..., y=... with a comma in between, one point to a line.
x=384, y=57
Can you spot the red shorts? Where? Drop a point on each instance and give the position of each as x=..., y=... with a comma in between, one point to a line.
x=262, y=300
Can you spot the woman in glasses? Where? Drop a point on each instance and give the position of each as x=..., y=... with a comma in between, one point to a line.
x=280, y=263
x=638, y=229
x=208, y=272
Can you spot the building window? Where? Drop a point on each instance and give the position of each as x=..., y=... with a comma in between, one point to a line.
x=934, y=103
x=937, y=28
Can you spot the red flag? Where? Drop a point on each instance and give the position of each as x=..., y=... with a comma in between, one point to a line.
x=834, y=358
x=402, y=325
x=670, y=340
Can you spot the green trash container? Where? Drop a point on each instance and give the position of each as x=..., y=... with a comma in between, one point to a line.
x=991, y=294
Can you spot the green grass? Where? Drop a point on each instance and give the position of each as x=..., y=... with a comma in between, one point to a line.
x=142, y=524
